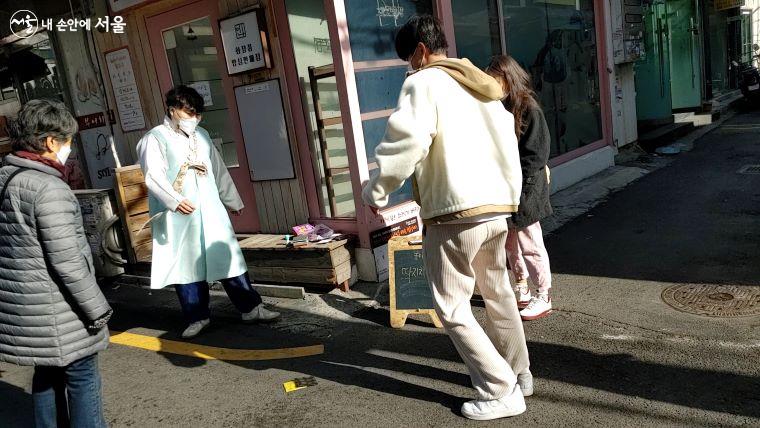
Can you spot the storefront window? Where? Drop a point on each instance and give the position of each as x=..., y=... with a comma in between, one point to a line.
x=555, y=41
x=193, y=61
x=372, y=27
x=477, y=31
x=314, y=61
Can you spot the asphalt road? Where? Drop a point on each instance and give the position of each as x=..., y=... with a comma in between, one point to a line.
x=613, y=354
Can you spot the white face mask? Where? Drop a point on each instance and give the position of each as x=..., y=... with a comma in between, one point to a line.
x=410, y=69
x=63, y=154
x=188, y=125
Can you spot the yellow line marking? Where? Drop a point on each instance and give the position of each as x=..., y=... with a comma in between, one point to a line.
x=156, y=344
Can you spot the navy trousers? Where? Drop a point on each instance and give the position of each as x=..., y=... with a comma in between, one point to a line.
x=194, y=297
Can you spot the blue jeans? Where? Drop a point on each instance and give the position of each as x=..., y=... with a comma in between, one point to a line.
x=68, y=396
x=194, y=297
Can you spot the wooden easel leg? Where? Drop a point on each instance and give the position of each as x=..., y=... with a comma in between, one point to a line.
x=398, y=319
x=436, y=320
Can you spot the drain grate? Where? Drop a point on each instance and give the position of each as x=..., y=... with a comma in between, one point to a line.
x=750, y=169
x=721, y=301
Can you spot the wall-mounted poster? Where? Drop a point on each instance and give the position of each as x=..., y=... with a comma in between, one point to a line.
x=245, y=44
x=125, y=90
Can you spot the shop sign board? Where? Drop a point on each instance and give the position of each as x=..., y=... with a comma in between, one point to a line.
x=89, y=106
x=244, y=43
x=728, y=4
x=379, y=242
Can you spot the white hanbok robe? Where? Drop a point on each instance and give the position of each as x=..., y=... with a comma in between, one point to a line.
x=200, y=246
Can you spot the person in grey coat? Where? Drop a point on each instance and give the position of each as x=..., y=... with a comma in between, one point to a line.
x=52, y=313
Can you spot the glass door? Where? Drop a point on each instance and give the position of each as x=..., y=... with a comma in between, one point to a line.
x=653, y=94
x=192, y=57
x=187, y=50
x=312, y=49
x=685, y=60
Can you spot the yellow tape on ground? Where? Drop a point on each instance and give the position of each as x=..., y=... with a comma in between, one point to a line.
x=156, y=344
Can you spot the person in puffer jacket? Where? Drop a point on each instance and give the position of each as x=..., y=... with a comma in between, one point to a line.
x=52, y=313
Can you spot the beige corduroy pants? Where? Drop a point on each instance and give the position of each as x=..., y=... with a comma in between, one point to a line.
x=457, y=256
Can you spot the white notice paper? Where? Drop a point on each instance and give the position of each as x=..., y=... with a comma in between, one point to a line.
x=204, y=89
x=125, y=90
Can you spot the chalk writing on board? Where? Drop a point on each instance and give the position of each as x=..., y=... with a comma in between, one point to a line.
x=389, y=10
x=412, y=289
x=410, y=273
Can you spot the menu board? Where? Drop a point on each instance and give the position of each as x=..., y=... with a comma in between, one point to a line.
x=125, y=90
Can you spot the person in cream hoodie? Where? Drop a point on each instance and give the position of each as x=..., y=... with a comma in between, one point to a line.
x=453, y=138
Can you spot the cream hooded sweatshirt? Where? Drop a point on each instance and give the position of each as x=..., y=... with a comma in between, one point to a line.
x=453, y=137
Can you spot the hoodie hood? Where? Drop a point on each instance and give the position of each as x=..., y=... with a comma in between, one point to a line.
x=470, y=76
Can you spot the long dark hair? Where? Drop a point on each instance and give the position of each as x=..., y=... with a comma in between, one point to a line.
x=517, y=86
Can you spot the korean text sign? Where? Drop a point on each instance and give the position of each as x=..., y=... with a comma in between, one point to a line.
x=243, y=45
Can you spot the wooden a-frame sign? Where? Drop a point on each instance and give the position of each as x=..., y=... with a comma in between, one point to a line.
x=410, y=292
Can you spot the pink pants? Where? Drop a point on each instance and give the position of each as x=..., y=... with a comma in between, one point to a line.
x=527, y=256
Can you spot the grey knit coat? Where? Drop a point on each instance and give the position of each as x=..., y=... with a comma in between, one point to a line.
x=48, y=292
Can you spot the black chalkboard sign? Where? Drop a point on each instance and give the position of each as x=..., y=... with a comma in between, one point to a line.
x=409, y=287
x=412, y=288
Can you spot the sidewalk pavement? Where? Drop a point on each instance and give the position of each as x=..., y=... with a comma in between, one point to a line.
x=612, y=354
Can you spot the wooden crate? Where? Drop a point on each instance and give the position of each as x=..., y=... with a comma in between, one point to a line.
x=270, y=260
x=132, y=197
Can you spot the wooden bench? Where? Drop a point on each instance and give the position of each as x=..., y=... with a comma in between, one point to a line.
x=270, y=260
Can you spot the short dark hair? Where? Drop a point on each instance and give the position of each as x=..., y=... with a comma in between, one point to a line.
x=37, y=120
x=425, y=29
x=184, y=98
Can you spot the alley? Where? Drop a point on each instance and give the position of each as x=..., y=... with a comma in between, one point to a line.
x=612, y=354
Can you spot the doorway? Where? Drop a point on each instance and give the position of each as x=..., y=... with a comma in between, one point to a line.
x=187, y=50
x=669, y=77
x=653, y=96
x=685, y=57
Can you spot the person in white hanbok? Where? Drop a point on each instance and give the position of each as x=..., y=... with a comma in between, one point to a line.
x=190, y=191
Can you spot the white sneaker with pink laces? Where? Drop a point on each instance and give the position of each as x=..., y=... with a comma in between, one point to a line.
x=539, y=307
x=522, y=294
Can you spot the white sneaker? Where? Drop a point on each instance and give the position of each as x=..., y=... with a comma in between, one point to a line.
x=195, y=328
x=522, y=294
x=525, y=381
x=260, y=314
x=539, y=307
x=486, y=410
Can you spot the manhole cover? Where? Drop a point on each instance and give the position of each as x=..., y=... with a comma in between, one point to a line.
x=725, y=301
x=750, y=169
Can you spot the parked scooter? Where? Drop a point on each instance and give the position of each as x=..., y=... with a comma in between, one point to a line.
x=749, y=77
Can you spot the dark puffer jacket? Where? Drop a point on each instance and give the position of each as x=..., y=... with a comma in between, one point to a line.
x=534, y=146
x=48, y=292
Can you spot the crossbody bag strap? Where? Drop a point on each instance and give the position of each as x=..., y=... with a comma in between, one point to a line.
x=8, y=181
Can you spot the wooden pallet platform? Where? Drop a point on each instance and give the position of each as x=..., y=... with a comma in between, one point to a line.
x=269, y=259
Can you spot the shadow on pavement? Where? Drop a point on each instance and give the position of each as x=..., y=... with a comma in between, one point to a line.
x=16, y=408
x=370, y=355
